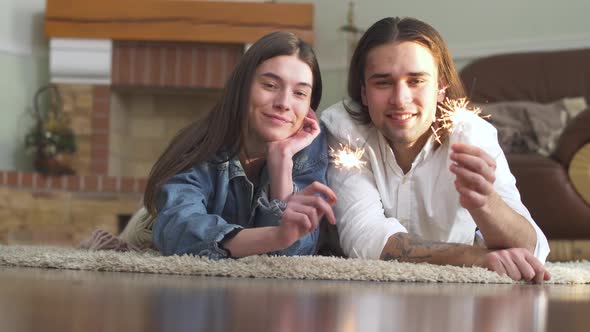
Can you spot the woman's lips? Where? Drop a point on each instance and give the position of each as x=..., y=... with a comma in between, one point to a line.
x=276, y=118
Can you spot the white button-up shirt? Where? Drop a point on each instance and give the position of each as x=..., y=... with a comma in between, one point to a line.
x=379, y=200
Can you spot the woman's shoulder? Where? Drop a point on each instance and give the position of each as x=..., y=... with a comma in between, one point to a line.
x=216, y=163
x=313, y=154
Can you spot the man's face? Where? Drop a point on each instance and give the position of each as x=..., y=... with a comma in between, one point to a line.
x=401, y=90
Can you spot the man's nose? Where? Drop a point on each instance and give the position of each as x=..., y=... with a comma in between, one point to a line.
x=401, y=95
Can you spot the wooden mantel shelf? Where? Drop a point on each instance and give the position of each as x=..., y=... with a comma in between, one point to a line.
x=176, y=20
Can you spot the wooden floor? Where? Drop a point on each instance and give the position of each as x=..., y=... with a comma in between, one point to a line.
x=56, y=300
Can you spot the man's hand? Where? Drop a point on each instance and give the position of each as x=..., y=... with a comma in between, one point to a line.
x=304, y=211
x=517, y=263
x=475, y=171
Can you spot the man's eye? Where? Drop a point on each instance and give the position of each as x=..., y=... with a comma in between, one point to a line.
x=301, y=93
x=416, y=81
x=382, y=83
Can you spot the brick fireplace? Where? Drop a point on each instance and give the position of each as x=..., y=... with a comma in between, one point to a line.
x=121, y=129
x=156, y=89
x=131, y=74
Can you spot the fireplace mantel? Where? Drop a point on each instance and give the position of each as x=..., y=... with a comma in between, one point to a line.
x=82, y=32
x=176, y=20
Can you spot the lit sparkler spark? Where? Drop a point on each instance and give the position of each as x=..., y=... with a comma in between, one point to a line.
x=347, y=157
x=451, y=111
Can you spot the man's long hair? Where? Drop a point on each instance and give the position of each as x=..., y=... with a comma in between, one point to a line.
x=394, y=29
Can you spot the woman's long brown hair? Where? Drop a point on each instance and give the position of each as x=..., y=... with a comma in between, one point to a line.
x=223, y=128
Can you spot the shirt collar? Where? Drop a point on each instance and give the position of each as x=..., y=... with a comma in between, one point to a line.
x=426, y=151
x=236, y=169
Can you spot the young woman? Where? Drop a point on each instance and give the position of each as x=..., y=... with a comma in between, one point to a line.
x=249, y=179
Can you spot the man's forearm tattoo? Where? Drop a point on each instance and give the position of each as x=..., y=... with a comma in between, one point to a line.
x=408, y=248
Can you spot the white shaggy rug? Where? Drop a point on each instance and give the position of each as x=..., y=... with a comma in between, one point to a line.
x=303, y=267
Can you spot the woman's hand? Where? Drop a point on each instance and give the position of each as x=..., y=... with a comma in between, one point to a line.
x=304, y=211
x=298, y=141
x=280, y=156
x=302, y=215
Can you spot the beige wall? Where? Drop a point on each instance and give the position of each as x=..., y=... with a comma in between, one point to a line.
x=472, y=29
x=23, y=68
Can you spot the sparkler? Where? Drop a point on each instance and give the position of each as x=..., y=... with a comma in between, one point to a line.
x=452, y=110
x=347, y=157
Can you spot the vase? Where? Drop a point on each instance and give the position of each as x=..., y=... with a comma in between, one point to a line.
x=57, y=164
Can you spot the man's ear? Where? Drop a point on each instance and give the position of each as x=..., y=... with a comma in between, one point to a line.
x=364, y=95
x=442, y=92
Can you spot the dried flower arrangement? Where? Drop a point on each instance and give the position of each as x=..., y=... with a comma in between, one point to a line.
x=51, y=140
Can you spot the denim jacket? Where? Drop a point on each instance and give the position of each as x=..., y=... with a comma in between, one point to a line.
x=199, y=206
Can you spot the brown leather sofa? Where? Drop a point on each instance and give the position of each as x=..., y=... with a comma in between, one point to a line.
x=546, y=188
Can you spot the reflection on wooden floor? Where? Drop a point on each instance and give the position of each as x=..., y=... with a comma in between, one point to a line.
x=58, y=300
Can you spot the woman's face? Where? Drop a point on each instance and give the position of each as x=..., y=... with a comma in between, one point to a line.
x=280, y=98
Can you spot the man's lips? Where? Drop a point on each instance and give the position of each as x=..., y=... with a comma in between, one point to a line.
x=401, y=117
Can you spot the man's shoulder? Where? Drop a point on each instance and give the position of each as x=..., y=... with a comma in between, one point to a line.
x=471, y=129
x=477, y=122
x=340, y=124
x=334, y=115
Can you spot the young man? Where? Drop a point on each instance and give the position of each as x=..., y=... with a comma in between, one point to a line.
x=417, y=200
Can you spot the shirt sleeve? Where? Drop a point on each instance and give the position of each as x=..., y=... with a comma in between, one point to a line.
x=183, y=225
x=269, y=213
x=309, y=165
x=362, y=225
x=505, y=186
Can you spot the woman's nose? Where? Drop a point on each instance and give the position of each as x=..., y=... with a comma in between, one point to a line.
x=282, y=100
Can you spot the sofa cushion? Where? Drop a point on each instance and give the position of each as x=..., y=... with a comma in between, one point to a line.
x=530, y=127
x=579, y=172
